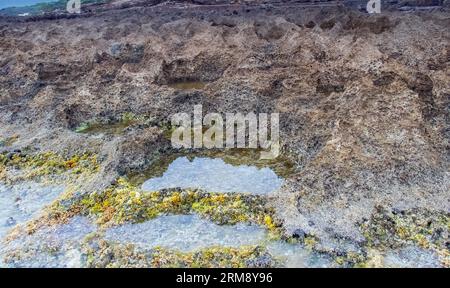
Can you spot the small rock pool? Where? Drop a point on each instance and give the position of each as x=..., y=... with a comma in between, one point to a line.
x=188, y=85
x=189, y=233
x=20, y=202
x=214, y=175
x=62, y=245
x=186, y=233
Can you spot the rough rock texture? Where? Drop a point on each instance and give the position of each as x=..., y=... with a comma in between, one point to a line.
x=363, y=100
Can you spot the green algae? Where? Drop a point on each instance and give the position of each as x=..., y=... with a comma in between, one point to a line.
x=123, y=202
x=420, y=227
x=97, y=128
x=8, y=141
x=351, y=259
x=213, y=257
x=101, y=253
x=48, y=163
x=44, y=166
x=60, y=211
x=112, y=127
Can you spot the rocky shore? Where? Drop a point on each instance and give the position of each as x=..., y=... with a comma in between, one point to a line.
x=364, y=103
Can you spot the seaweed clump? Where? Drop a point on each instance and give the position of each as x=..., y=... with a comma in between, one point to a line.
x=114, y=126
x=47, y=163
x=420, y=227
x=5, y=142
x=123, y=202
x=101, y=253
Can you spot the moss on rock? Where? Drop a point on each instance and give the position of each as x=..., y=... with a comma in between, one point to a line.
x=8, y=141
x=48, y=163
x=421, y=227
x=101, y=253
x=124, y=202
x=214, y=257
x=112, y=126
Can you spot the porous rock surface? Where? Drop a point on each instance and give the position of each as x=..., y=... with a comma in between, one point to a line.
x=363, y=99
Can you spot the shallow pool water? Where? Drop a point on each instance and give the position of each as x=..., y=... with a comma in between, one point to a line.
x=297, y=256
x=105, y=128
x=20, y=202
x=50, y=246
x=186, y=233
x=411, y=257
x=215, y=175
x=188, y=85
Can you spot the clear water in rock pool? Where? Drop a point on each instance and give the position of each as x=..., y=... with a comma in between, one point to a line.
x=190, y=232
x=50, y=246
x=216, y=176
x=297, y=256
x=116, y=128
x=187, y=85
x=411, y=257
x=19, y=202
x=59, y=246
x=186, y=233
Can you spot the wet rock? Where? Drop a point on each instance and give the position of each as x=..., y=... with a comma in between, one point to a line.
x=32, y=197
x=310, y=24
x=299, y=234
x=224, y=21
x=192, y=98
x=10, y=221
x=53, y=73
x=327, y=84
x=421, y=83
x=72, y=115
x=202, y=68
x=410, y=257
x=320, y=56
x=423, y=86
x=376, y=26
x=57, y=246
x=262, y=261
x=269, y=30
x=127, y=53
x=326, y=25
x=385, y=79
x=138, y=149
